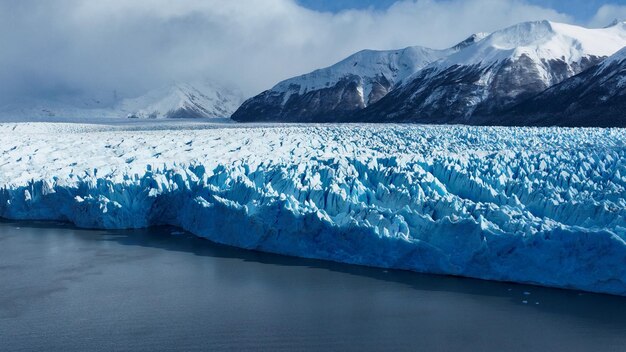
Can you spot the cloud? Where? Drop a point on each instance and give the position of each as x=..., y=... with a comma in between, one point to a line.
x=607, y=14
x=85, y=47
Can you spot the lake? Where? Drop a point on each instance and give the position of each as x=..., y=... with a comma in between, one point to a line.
x=67, y=289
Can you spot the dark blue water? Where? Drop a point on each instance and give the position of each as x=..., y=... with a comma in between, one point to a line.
x=63, y=289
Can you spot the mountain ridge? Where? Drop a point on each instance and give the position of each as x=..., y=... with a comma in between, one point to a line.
x=471, y=83
x=595, y=97
x=334, y=92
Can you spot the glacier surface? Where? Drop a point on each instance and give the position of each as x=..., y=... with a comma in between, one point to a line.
x=532, y=205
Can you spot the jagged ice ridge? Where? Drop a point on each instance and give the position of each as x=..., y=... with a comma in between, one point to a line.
x=543, y=206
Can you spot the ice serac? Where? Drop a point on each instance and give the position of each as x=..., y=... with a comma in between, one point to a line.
x=478, y=83
x=543, y=206
x=596, y=97
x=332, y=93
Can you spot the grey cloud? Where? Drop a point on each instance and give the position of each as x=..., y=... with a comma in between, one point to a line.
x=85, y=47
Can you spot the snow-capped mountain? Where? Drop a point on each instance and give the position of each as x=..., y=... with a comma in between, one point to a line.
x=334, y=92
x=179, y=100
x=473, y=82
x=183, y=100
x=477, y=83
x=596, y=97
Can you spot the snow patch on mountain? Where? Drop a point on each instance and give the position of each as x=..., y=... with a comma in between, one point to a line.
x=542, y=41
x=480, y=83
x=334, y=93
x=544, y=206
x=618, y=58
x=198, y=100
x=474, y=82
x=367, y=66
x=471, y=40
x=595, y=97
x=371, y=65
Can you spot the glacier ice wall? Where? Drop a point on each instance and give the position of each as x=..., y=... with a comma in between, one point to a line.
x=542, y=206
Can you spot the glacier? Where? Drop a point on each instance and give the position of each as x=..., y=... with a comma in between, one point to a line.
x=543, y=206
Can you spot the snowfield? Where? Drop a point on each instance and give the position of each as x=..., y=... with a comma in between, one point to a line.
x=533, y=205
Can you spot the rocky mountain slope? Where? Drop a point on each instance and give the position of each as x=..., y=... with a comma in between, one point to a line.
x=478, y=83
x=333, y=93
x=596, y=97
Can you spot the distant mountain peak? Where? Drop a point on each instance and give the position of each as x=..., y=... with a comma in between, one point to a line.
x=351, y=84
x=541, y=41
x=201, y=99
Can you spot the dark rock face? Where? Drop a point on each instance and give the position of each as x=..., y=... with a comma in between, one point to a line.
x=596, y=97
x=471, y=40
x=332, y=93
x=495, y=79
x=187, y=113
x=471, y=94
x=331, y=104
x=517, y=81
x=335, y=93
x=430, y=95
x=380, y=88
x=464, y=94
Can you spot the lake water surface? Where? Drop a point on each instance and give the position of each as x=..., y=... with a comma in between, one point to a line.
x=64, y=289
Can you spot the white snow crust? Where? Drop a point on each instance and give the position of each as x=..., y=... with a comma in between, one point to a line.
x=618, y=57
x=367, y=65
x=542, y=40
x=533, y=205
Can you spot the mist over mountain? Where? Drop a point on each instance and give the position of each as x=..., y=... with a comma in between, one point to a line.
x=64, y=50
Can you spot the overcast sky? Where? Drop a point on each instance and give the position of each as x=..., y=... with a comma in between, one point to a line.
x=85, y=47
x=582, y=11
